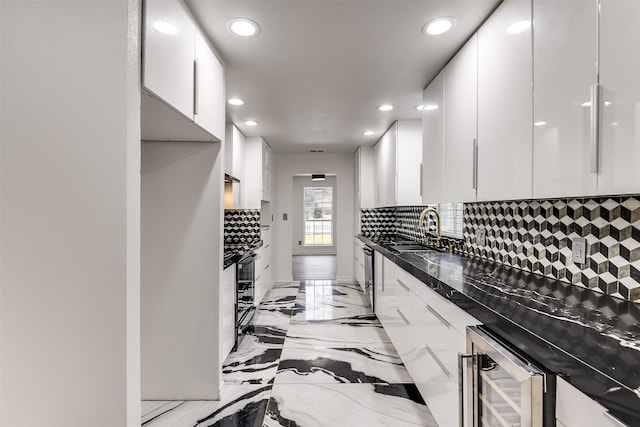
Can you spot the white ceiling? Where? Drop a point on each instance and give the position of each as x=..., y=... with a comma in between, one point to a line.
x=315, y=74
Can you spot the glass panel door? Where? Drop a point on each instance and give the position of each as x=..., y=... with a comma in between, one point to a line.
x=499, y=395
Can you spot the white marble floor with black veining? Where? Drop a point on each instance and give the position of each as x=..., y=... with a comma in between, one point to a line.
x=316, y=356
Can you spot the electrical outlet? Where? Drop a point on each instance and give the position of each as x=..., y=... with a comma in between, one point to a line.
x=481, y=236
x=578, y=250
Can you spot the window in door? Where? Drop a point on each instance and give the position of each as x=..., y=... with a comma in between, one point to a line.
x=318, y=216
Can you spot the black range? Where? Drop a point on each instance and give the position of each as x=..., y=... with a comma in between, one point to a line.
x=590, y=339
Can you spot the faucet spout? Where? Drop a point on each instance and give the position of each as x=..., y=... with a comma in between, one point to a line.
x=423, y=214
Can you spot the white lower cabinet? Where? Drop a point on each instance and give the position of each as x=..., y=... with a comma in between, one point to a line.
x=263, y=266
x=576, y=409
x=428, y=332
x=227, y=311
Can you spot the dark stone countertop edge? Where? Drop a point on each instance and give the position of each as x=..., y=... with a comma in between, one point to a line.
x=618, y=399
x=233, y=253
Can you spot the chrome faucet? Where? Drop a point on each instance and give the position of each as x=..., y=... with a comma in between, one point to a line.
x=421, y=221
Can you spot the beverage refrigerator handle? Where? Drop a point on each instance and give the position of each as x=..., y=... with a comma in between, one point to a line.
x=461, y=397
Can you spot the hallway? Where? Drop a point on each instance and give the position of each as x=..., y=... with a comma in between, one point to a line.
x=317, y=356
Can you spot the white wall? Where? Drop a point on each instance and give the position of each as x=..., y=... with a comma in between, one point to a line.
x=69, y=167
x=181, y=255
x=297, y=216
x=285, y=166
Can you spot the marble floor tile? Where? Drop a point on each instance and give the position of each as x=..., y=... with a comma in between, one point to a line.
x=275, y=317
x=366, y=319
x=240, y=405
x=251, y=365
x=263, y=337
x=353, y=405
x=331, y=335
x=152, y=409
x=364, y=364
x=295, y=284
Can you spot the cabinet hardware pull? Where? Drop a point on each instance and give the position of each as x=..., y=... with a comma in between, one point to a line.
x=406, y=288
x=195, y=87
x=267, y=246
x=402, y=315
x=258, y=278
x=438, y=361
x=615, y=419
x=268, y=265
x=595, y=127
x=439, y=316
x=461, y=358
x=475, y=164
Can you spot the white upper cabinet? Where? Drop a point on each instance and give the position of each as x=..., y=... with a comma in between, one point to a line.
x=460, y=125
x=397, y=157
x=209, y=102
x=620, y=97
x=505, y=103
x=363, y=181
x=169, y=52
x=257, y=172
x=432, y=140
x=384, y=153
x=564, y=69
x=408, y=161
x=234, y=152
x=181, y=71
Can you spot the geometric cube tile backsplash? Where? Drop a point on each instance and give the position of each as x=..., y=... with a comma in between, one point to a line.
x=537, y=236
x=241, y=226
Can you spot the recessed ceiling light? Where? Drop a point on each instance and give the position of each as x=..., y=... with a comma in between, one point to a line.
x=368, y=133
x=385, y=107
x=519, y=27
x=243, y=27
x=235, y=101
x=438, y=26
x=250, y=123
x=165, y=28
x=430, y=107
x=541, y=123
x=419, y=107
x=586, y=104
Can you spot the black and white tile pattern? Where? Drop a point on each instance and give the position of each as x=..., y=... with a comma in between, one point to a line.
x=241, y=226
x=536, y=236
x=330, y=364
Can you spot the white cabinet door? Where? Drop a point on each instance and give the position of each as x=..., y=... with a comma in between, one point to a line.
x=364, y=178
x=209, y=111
x=384, y=170
x=408, y=162
x=266, y=171
x=619, y=71
x=575, y=409
x=227, y=311
x=564, y=69
x=432, y=140
x=460, y=125
x=168, y=56
x=505, y=103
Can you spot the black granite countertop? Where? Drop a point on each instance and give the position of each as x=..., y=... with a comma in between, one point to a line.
x=234, y=251
x=590, y=339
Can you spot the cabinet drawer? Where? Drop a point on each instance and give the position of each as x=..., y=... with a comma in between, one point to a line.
x=576, y=409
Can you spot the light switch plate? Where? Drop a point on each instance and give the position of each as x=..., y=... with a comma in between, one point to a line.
x=579, y=250
x=285, y=216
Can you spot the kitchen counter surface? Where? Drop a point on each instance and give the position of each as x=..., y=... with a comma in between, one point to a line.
x=590, y=339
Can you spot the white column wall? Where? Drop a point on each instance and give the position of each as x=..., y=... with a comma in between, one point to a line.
x=285, y=166
x=69, y=213
x=182, y=204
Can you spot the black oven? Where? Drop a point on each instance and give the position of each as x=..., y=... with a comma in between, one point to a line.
x=245, y=293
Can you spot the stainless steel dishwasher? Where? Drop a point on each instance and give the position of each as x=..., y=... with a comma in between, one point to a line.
x=369, y=284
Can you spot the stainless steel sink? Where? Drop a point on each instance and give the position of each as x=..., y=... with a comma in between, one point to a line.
x=413, y=247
